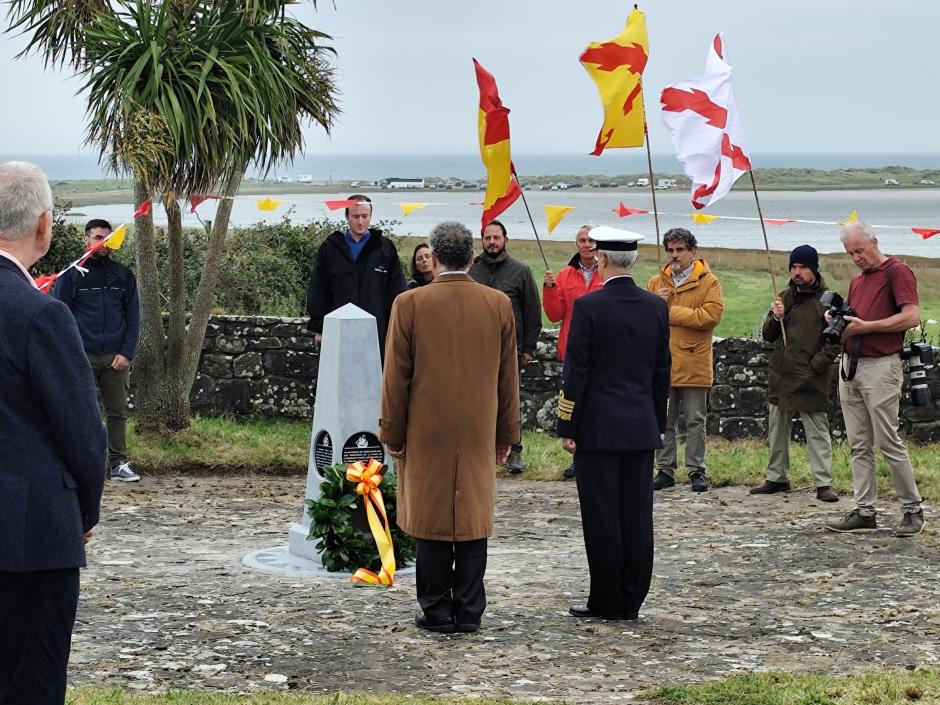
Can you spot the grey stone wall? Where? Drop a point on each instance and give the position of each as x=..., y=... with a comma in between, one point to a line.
x=268, y=366
x=257, y=365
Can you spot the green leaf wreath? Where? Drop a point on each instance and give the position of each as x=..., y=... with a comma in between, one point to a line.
x=342, y=545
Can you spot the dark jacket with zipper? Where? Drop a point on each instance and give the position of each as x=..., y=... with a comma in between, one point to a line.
x=801, y=371
x=371, y=282
x=514, y=279
x=105, y=305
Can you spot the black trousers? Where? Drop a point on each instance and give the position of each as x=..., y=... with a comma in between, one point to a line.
x=449, y=579
x=37, y=613
x=615, y=490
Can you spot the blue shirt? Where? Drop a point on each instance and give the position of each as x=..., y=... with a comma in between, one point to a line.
x=356, y=247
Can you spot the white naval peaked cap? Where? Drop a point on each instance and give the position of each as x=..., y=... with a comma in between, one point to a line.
x=614, y=239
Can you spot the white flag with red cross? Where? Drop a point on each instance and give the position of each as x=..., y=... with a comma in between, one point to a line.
x=702, y=118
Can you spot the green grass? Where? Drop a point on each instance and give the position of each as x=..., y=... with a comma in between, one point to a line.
x=225, y=445
x=116, y=696
x=876, y=687
x=881, y=687
x=744, y=463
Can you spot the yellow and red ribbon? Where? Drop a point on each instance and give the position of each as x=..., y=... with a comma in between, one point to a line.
x=367, y=478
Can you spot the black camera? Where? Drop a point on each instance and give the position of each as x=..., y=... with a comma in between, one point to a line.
x=919, y=357
x=838, y=310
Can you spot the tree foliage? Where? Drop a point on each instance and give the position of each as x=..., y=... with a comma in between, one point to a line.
x=185, y=95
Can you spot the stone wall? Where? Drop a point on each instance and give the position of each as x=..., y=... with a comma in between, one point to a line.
x=257, y=365
x=268, y=366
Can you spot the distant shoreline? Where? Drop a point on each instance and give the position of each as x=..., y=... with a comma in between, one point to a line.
x=83, y=192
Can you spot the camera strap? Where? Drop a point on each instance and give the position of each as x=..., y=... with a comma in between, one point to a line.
x=857, y=340
x=853, y=360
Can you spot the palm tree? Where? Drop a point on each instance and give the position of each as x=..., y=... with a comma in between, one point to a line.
x=185, y=95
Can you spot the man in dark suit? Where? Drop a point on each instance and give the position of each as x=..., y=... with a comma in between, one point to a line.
x=611, y=416
x=51, y=456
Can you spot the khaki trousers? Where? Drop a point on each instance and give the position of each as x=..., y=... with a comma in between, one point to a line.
x=112, y=396
x=870, y=404
x=818, y=444
x=693, y=401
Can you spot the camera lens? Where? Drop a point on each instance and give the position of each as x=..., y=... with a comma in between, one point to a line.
x=920, y=396
x=920, y=392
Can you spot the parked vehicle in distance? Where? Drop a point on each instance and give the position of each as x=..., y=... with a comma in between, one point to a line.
x=927, y=182
x=892, y=182
x=643, y=182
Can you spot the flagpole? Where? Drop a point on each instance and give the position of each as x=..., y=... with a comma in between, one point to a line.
x=770, y=264
x=649, y=161
x=529, y=213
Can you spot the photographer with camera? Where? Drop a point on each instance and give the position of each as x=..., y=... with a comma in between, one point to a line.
x=800, y=380
x=884, y=297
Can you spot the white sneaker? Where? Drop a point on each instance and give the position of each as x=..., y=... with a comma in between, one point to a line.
x=124, y=472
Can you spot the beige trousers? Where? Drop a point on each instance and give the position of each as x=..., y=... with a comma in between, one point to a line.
x=693, y=401
x=818, y=444
x=870, y=403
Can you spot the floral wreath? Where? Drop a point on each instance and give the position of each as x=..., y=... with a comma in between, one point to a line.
x=342, y=546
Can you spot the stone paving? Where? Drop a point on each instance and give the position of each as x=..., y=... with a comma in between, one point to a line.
x=740, y=584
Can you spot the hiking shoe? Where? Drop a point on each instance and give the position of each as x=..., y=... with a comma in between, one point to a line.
x=124, y=472
x=569, y=473
x=699, y=483
x=912, y=523
x=853, y=521
x=770, y=487
x=515, y=465
x=825, y=494
x=662, y=481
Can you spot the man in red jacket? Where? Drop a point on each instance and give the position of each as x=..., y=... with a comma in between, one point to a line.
x=559, y=291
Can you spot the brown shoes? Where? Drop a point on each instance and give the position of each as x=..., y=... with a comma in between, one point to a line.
x=823, y=494
x=771, y=487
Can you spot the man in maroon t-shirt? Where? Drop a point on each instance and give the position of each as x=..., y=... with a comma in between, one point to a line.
x=884, y=293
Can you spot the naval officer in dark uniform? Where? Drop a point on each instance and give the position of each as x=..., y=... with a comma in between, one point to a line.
x=611, y=416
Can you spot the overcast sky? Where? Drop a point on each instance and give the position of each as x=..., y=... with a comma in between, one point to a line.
x=810, y=75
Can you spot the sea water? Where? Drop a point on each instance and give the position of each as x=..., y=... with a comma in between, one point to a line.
x=899, y=209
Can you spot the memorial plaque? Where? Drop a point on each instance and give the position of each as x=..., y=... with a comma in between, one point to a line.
x=323, y=451
x=362, y=446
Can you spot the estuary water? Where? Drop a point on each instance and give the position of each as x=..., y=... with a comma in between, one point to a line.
x=897, y=208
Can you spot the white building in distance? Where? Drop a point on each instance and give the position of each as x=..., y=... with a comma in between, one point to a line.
x=396, y=182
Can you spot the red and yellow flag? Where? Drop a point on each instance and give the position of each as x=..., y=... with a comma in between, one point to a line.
x=493, y=126
x=617, y=68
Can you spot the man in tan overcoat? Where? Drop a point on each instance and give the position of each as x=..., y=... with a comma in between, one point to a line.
x=693, y=295
x=450, y=412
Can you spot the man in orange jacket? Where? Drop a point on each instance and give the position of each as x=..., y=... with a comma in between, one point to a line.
x=559, y=292
x=693, y=295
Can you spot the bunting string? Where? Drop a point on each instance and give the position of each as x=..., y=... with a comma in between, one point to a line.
x=704, y=219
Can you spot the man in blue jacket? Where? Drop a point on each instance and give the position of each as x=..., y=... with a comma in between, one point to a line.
x=106, y=308
x=52, y=450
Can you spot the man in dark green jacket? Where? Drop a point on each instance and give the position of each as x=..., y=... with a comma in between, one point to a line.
x=800, y=377
x=497, y=270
